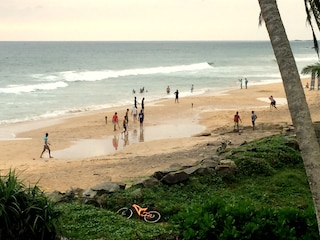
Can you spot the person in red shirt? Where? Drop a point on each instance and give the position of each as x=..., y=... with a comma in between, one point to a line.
x=115, y=121
x=236, y=120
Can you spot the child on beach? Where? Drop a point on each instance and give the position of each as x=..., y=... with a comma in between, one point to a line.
x=236, y=120
x=46, y=145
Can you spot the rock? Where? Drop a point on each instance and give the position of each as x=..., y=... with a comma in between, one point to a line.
x=108, y=187
x=210, y=163
x=151, y=182
x=175, y=177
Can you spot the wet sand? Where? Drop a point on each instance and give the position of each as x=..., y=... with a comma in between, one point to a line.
x=83, y=144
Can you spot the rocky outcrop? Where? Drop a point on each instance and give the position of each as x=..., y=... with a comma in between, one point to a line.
x=97, y=194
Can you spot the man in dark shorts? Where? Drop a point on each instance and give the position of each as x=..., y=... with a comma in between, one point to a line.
x=142, y=104
x=272, y=102
x=125, y=125
x=141, y=118
x=177, y=96
x=253, y=119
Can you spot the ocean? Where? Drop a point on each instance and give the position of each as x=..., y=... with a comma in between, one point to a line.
x=40, y=80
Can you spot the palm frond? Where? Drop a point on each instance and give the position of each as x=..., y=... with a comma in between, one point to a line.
x=312, y=69
x=312, y=8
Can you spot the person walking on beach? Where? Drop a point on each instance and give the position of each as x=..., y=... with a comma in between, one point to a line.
x=115, y=121
x=46, y=145
x=236, y=120
x=246, y=83
x=168, y=90
x=134, y=113
x=240, y=80
x=141, y=118
x=124, y=125
x=272, y=102
x=177, y=96
x=126, y=116
x=253, y=119
x=135, y=102
x=142, y=104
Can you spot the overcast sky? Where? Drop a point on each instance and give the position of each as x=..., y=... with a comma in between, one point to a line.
x=109, y=20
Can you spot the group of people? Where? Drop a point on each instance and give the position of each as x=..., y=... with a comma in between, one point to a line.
x=134, y=113
x=142, y=90
x=237, y=119
x=245, y=83
x=140, y=116
x=176, y=93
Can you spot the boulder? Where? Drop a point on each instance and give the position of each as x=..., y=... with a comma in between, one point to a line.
x=175, y=177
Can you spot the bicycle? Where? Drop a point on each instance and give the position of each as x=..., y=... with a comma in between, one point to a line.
x=148, y=216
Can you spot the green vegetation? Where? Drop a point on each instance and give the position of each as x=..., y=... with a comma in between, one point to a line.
x=25, y=213
x=267, y=198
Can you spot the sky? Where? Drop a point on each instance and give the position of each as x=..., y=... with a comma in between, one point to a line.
x=144, y=20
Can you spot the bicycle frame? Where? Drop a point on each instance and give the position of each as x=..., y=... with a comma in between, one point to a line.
x=148, y=216
x=140, y=211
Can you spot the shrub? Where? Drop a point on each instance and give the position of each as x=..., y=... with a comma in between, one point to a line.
x=252, y=167
x=218, y=220
x=25, y=213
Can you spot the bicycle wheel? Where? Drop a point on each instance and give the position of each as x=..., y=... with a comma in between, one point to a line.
x=152, y=217
x=125, y=212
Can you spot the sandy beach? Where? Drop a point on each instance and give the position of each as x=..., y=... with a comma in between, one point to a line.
x=87, y=151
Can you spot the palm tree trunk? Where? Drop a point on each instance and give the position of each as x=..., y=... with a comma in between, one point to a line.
x=297, y=103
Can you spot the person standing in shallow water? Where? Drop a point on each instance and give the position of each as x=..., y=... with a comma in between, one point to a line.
x=46, y=145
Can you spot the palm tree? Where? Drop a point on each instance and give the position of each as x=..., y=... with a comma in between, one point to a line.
x=313, y=69
x=298, y=107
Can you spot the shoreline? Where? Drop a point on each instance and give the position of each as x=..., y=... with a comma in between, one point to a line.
x=215, y=113
x=9, y=130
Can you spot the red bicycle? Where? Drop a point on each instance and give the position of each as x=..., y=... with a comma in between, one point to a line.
x=148, y=216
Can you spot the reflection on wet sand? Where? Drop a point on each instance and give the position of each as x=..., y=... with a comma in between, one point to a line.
x=125, y=138
x=141, y=137
x=115, y=142
x=97, y=147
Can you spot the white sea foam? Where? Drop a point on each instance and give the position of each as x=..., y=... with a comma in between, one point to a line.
x=105, y=74
x=33, y=87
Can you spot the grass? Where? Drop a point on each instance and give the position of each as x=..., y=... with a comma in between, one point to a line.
x=271, y=180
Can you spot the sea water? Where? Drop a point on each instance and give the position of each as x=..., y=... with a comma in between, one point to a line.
x=41, y=80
